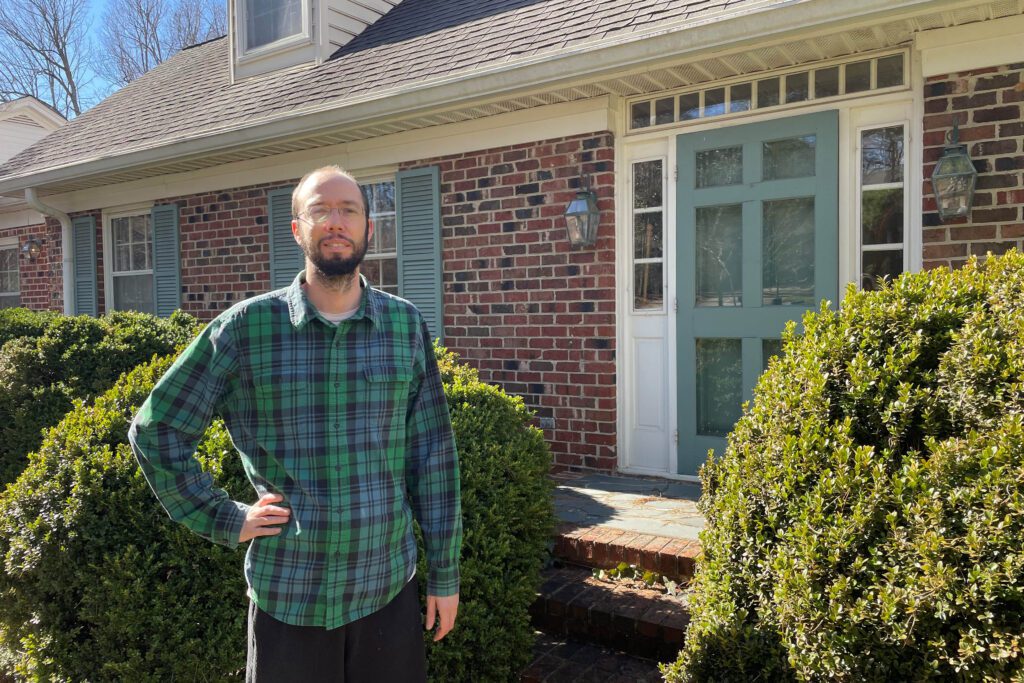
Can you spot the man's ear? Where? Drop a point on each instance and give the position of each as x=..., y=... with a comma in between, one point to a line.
x=295, y=231
x=369, y=229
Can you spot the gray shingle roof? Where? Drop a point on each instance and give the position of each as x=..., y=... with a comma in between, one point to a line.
x=191, y=95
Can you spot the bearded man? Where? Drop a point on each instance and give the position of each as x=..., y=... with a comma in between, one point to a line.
x=332, y=396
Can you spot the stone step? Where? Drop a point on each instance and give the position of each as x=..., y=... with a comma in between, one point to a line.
x=566, y=660
x=643, y=622
x=604, y=547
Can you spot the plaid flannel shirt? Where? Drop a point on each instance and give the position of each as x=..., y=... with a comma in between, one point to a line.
x=348, y=423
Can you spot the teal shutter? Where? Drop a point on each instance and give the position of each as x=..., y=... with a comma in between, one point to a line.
x=166, y=260
x=83, y=233
x=286, y=258
x=418, y=200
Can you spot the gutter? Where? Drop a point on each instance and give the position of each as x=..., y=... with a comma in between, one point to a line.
x=65, y=240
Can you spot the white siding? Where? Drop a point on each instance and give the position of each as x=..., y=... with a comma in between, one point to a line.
x=346, y=19
x=15, y=137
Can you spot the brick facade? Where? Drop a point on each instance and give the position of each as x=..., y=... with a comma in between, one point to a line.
x=530, y=313
x=987, y=105
x=41, y=281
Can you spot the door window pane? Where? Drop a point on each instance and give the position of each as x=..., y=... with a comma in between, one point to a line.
x=826, y=82
x=722, y=166
x=647, y=184
x=890, y=71
x=719, y=256
x=769, y=348
x=880, y=264
x=739, y=97
x=797, y=87
x=719, y=385
x=881, y=156
x=647, y=235
x=881, y=216
x=648, y=286
x=767, y=93
x=788, y=252
x=134, y=293
x=789, y=158
x=858, y=77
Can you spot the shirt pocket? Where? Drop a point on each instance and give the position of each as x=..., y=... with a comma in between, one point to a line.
x=387, y=398
x=286, y=411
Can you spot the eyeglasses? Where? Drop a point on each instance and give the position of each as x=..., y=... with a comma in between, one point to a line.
x=319, y=215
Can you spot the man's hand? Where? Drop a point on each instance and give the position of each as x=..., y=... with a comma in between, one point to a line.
x=445, y=609
x=262, y=516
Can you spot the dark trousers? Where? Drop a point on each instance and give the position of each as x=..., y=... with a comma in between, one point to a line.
x=383, y=647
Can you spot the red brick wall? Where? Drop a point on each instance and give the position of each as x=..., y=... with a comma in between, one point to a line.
x=530, y=313
x=986, y=103
x=40, y=280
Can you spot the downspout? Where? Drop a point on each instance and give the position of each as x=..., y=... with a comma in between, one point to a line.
x=66, y=244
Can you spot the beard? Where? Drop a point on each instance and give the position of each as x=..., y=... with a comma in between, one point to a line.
x=336, y=267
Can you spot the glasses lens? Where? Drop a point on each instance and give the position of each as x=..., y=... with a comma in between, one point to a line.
x=319, y=214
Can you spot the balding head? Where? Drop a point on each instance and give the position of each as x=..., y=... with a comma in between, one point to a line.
x=309, y=180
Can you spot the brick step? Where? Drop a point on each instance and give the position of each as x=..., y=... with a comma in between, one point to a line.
x=604, y=547
x=566, y=660
x=642, y=622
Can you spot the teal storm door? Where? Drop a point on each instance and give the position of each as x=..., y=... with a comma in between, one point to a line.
x=758, y=245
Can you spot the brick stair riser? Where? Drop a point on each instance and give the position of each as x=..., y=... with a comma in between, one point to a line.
x=605, y=549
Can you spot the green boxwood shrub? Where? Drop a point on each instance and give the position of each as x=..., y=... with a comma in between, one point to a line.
x=866, y=521
x=98, y=584
x=55, y=360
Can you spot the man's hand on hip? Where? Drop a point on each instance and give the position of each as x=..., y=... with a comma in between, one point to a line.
x=444, y=609
x=262, y=518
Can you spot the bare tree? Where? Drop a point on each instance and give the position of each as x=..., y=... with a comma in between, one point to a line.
x=44, y=52
x=139, y=34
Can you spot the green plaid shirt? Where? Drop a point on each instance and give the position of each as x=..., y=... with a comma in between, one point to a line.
x=349, y=423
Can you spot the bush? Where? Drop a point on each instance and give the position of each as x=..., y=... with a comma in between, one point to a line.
x=866, y=521
x=21, y=322
x=98, y=584
x=60, y=359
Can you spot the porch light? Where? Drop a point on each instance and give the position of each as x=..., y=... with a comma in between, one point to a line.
x=954, y=178
x=582, y=217
x=32, y=248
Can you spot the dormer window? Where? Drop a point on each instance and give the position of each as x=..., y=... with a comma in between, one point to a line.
x=270, y=21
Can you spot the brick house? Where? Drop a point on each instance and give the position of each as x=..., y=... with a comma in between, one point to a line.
x=749, y=159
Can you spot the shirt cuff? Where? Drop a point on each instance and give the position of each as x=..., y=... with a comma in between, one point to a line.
x=228, y=525
x=443, y=581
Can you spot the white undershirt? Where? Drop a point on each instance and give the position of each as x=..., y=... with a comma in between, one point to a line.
x=335, y=318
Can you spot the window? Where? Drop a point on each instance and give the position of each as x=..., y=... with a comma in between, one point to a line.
x=648, y=235
x=10, y=276
x=131, y=242
x=882, y=204
x=268, y=21
x=381, y=264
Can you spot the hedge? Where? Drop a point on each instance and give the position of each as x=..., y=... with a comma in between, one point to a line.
x=866, y=521
x=98, y=584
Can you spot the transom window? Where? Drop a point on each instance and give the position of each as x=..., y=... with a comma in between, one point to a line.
x=825, y=82
x=381, y=264
x=10, y=276
x=268, y=21
x=131, y=241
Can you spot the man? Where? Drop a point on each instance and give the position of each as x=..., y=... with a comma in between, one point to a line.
x=332, y=395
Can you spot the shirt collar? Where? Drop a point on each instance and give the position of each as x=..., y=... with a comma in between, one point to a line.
x=301, y=311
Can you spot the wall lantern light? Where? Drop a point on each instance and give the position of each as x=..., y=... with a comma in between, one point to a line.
x=582, y=217
x=954, y=178
x=32, y=248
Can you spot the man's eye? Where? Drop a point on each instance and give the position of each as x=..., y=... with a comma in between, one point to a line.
x=319, y=214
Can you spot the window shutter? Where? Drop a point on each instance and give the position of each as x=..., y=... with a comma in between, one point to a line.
x=83, y=233
x=419, y=243
x=166, y=260
x=286, y=258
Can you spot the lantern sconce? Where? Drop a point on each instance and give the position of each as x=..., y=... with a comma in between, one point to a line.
x=582, y=217
x=954, y=178
x=32, y=248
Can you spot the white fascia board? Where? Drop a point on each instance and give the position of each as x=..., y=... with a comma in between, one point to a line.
x=364, y=158
x=586, y=60
x=974, y=46
x=20, y=219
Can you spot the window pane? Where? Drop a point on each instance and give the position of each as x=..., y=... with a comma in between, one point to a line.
x=826, y=82
x=719, y=385
x=876, y=264
x=10, y=301
x=689, y=106
x=881, y=216
x=9, y=259
x=739, y=97
x=664, y=111
x=122, y=258
x=370, y=269
x=640, y=115
x=139, y=229
x=647, y=235
x=722, y=166
x=121, y=231
x=389, y=272
x=647, y=184
x=881, y=155
x=719, y=256
x=647, y=286
x=769, y=348
x=890, y=72
x=767, y=93
x=139, y=257
x=858, y=77
x=270, y=20
x=384, y=232
x=381, y=197
x=8, y=281
x=788, y=252
x=789, y=158
x=134, y=293
x=714, y=102
x=797, y=88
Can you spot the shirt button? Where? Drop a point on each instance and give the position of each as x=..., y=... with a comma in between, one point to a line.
x=337, y=426
x=337, y=385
